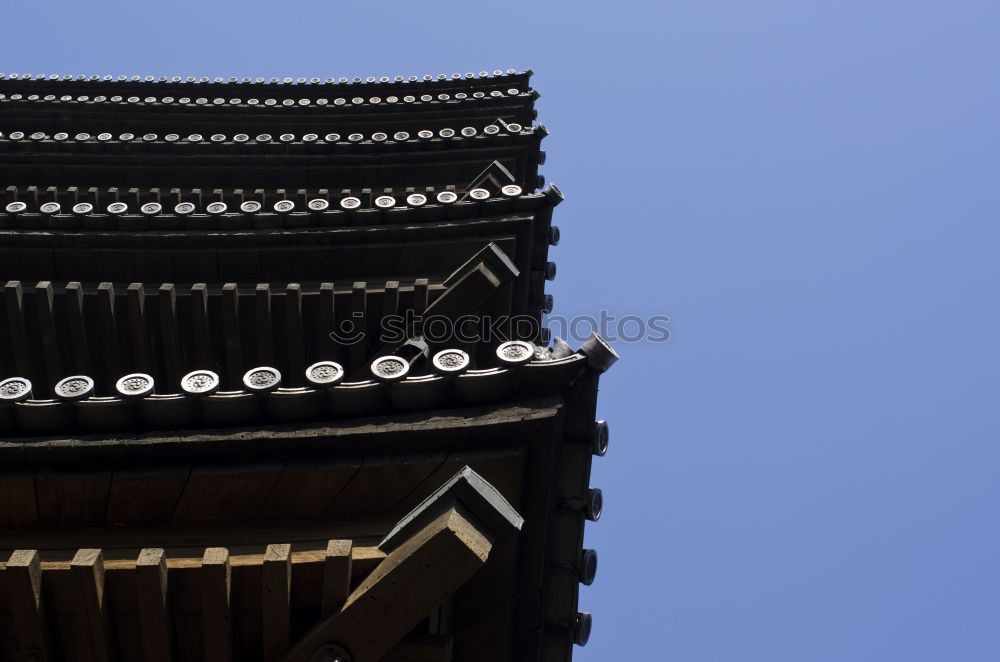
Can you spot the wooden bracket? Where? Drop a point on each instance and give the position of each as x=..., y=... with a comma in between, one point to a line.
x=434, y=550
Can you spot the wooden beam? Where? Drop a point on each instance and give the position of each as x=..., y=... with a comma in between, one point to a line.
x=170, y=341
x=336, y=576
x=263, y=328
x=294, y=341
x=200, y=328
x=17, y=334
x=77, y=328
x=24, y=587
x=231, y=335
x=216, y=612
x=275, y=601
x=326, y=323
x=358, y=324
x=87, y=570
x=51, y=356
x=111, y=357
x=136, y=307
x=420, y=294
x=416, y=577
x=390, y=299
x=151, y=599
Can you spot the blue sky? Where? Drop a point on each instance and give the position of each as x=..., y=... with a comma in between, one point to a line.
x=808, y=469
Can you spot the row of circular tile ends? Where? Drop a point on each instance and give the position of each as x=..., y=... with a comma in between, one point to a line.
x=378, y=136
x=301, y=81
x=255, y=206
x=263, y=379
x=267, y=103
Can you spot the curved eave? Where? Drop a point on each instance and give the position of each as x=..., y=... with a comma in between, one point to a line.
x=322, y=88
x=375, y=164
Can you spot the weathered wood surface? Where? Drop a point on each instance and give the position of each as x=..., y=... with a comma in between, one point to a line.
x=216, y=607
x=87, y=569
x=146, y=496
x=23, y=575
x=152, y=600
x=225, y=494
x=275, y=600
x=336, y=576
x=400, y=592
x=436, y=430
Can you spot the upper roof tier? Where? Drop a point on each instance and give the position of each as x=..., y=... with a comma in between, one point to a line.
x=106, y=131
x=261, y=97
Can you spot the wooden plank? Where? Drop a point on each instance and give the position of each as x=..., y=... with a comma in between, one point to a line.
x=77, y=328
x=222, y=494
x=87, y=570
x=501, y=467
x=169, y=339
x=200, y=327
x=416, y=577
x=153, y=606
x=145, y=496
x=51, y=356
x=468, y=294
x=216, y=610
x=275, y=616
x=307, y=486
x=72, y=498
x=24, y=588
x=294, y=340
x=135, y=298
x=263, y=327
x=383, y=482
x=336, y=576
x=17, y=501
x=231, y=334
x=111, y=358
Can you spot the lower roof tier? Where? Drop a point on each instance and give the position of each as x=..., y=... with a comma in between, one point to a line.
x=306, y=506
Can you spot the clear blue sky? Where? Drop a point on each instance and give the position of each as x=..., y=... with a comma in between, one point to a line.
x=809, y=470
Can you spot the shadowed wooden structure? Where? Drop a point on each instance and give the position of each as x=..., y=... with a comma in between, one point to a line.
x=274, y=383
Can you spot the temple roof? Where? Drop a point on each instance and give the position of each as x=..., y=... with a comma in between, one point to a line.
x=273, y=377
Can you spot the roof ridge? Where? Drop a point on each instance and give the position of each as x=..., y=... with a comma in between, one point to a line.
x=107, y=78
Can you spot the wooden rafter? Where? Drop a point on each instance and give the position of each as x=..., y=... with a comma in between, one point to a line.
x=151, y=599
x=336, y=576
x=24, y=585
x=87, y=569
